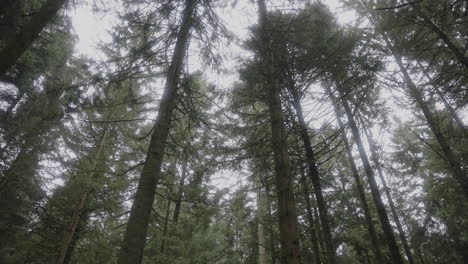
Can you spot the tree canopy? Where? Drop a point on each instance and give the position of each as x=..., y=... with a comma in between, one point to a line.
x=187, y=138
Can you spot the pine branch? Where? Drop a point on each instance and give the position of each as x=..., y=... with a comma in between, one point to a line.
x=398, y=6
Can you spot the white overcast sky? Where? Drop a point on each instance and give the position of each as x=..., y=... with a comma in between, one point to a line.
x=92, y=28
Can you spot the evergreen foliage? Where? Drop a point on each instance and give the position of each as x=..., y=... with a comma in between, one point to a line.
x=334, y=144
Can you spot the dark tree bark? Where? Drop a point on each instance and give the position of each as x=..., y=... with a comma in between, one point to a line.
x=286, y=204
x=17, y=45
x=360, y=188
x=382, y=213
x=135, y=233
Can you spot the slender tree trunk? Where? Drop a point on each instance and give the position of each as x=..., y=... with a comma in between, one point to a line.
x=454, y=163
x=386, y=226
x=360, y=188
x=310, y=219
x=460, y=245
x=17, y=45
x=318, y=227
x=135, y=233
x=351, y=212
x=78, y=231
x=447, y=105
x=396, y=218
x=270, y=215
x=262, y=256
x=12, y=204
x=172, y=172
x=78, y=212
x=451, y=110
x=18, y=187
x=284, y=179
x=453, y=48
x=315, y=178
x=414, y=246
x=9, y=111
x=70, y=231
x=180, y=192
x=165, y=226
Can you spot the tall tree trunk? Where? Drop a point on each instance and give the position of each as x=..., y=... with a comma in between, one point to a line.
x=9, y=111
x=14, y=208
x=442, y=36
x=165, y=225
x=454, y=163
x=284, y=179
x=19, y=189
x=78, y=212
x=314, y=176
x=135, y=233
x=396, y=218
x=386, y=226
x=310, y=219
x=359, y=187
x=79, y=230
x=447, y=105
x=70, y=231
x=270, y=215
x=17, y=45
x=11, y=13
x=262, y=256
x=172, y=172
x=451, y=110
x=460, y=245
x=180, y=191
